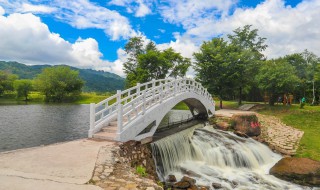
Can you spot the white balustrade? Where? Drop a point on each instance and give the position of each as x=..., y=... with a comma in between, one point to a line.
x=129, y=104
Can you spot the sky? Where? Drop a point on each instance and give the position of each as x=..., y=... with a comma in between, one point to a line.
x=92, y=33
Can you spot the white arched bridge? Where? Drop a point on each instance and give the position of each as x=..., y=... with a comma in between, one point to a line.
x=128, y=113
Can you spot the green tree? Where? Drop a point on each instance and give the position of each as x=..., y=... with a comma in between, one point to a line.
x=277, y=77
x=147, y=63
x=213, y=66
x=249, y=46
x=58, y=82
x=23, y=87
x=6, y=82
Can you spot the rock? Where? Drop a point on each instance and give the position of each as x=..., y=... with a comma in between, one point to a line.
x=222, y=125
x=146, y=140
x=172, y=178
x=193, y=187
x=247, y=124
x=303, y=171
x=189, y=179
x=204, y=188
x=216, y=185
x=240, y=134
x=181, y=185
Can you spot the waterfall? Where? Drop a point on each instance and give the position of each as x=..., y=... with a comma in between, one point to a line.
x=213, y=156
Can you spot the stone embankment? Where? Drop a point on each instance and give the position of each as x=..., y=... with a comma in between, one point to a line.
x=115, y=168
x=279, y=136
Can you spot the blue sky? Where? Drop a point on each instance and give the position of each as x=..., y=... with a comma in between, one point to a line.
x=92, y=33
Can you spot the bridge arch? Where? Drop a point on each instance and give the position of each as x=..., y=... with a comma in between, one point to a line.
x=145, y=105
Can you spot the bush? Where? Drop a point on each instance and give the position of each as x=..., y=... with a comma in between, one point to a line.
x=141, y=171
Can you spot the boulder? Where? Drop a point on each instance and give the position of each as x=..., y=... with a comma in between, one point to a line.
x=247, y=124
x=172, y=178
x=216, y=185
x=189, y=179
x=240, y=134
x=303, y=171
x=181, y=185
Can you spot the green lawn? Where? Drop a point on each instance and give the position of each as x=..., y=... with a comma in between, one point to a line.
x=307, y=120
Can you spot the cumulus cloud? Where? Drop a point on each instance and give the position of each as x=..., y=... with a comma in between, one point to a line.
x=80, y=14
x=287, y=29
x=26, y=39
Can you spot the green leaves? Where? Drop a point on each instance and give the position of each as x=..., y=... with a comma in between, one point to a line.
x=58, y=82
x=145, y=64
x=23, y=87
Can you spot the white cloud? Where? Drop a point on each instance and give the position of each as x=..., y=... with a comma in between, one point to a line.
x=80, y=14
x=26, y=39
x=2, y=11
x=141, y=8
x=287, y=29
x=29, y=8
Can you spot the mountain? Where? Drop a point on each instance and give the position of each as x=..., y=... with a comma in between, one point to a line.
x=95, y=81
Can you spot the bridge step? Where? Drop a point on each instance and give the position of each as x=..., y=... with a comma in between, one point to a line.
x=113, y=123
x=105, y=136
x=110, y=129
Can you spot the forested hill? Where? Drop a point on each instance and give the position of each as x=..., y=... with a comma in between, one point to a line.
x=97, y=81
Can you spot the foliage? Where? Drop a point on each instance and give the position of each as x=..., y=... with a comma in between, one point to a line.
x=277, y=77
x=23, y=87
x=95, y=81
x=141, y=171
x=56, y=83
x=147, y=63
x=214, y=67
x=225, y=66
x=6, y=82
x=248, y=46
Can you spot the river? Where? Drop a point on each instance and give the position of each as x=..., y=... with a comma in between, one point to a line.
x=23, y=126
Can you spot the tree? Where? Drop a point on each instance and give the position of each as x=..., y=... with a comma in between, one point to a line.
x=249, y=46
x=277, y=77
x=6, y=82
x=23, y=87
x=213, y=67
x=147, y=63
x=58, y=82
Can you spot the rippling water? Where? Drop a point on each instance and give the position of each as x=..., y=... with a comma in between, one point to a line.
x=213, y=156
x=23, y=126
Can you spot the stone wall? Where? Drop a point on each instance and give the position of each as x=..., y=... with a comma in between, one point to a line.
x=137, y=154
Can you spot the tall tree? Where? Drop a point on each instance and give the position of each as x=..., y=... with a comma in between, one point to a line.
x=213, y=66
x=250, y=47
x=147, y=63
x=277, y=77
x=58, y=82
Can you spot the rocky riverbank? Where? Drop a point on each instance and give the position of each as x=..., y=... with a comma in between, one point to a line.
x=115, y=168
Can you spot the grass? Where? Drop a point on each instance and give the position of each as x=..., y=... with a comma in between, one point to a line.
x=307, y=120
x=37, y=98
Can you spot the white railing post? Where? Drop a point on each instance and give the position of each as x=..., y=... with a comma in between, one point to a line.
x=161, y=92
x=138, y=89
x=119, y=109
x=174, y=87
x=92, y=119
x=144, y=102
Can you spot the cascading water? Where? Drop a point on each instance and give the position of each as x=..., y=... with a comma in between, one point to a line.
x=214, y=156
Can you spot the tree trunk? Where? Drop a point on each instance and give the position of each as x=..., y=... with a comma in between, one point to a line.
x=220, y=103
x=314, y=94
x=240, y=95
x=272, y=99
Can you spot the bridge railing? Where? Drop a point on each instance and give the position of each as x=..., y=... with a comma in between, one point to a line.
x=127, y=105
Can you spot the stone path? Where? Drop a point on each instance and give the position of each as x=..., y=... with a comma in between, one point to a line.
x=113, y=172
x=230, y=113
x=246, y=107
x=278, y=135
